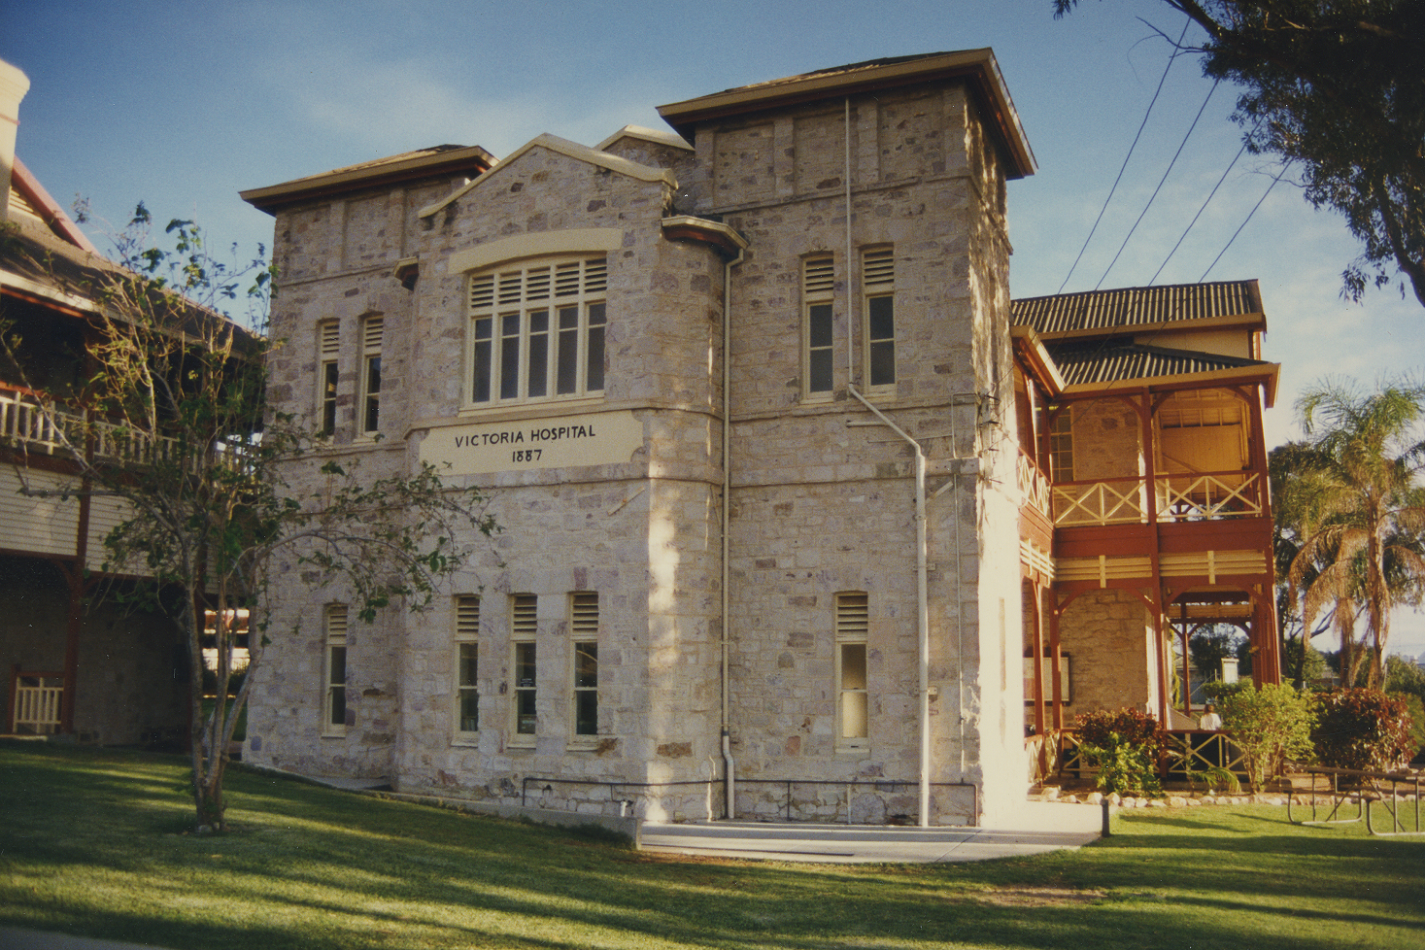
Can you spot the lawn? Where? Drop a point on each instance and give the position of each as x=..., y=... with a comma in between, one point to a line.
x=95, y=843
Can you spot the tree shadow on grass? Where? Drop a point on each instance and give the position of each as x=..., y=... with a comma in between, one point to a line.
x=312, y=867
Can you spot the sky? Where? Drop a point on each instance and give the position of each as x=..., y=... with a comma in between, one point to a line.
x=181, y=104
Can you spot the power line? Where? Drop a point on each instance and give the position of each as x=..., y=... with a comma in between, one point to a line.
x=1166, y=172
x=1200, y=210
x=1275, y=179
x=1141, y=127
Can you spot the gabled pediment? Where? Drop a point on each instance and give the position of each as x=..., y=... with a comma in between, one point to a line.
x=573, y=150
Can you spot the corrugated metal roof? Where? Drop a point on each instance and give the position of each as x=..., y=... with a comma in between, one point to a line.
x=1104, y=362
x=1109, y=310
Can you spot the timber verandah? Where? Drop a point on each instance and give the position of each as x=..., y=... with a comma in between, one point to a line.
x=1195, y=547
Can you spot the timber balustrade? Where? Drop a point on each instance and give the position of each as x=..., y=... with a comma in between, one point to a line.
x=1196, y=496
x=1188, y=756
x=1033, y=483
x=41, y=426
x=37, y=698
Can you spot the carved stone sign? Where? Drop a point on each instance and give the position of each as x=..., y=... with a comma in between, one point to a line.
x=605, y=438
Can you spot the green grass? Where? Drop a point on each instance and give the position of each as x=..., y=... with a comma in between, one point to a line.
x=94, y=843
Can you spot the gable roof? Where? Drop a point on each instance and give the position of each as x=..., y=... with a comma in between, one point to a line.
x=976, y=67
x=568, y=149
x=1137, y=309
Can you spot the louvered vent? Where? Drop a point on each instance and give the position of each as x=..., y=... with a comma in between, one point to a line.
x=371, y=334
x=818, y=277
x=467, y=617
x=852, y=616
x=596, y=277
x=336, y=621
x=525, y=614
x=537, y=284
x=585, y=622
x=879, y=269
x=482, y=292
x=510, y=287
x=330, y=337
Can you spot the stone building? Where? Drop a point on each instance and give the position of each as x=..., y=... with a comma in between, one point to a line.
x=744, y=401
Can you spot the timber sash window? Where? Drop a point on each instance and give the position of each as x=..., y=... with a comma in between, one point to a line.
x=878, y=285
x=818, y=324
x=524, y=612
x=852, y=703
x=584, y=626
x=537, y=332
x=369, y=402
x=334, y=700
x=329, y=351
x=1061, y=446
x=467, y=667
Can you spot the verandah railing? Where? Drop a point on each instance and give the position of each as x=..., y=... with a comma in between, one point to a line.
x=1189, y=756
x=37, y=701
x=44, y=427
x=1195, y=496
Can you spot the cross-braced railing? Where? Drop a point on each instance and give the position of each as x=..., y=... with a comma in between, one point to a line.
x=1208, y=496
x=1114, y=501
x=1033, y=483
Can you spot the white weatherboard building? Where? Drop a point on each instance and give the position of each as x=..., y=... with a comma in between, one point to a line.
x=743, y=398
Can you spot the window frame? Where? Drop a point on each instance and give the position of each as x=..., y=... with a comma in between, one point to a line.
x=1061, y=444
x=852, y=628
x=466, y=608
x=818, y=305
x=878, y=293
x=368, y=399
x=524, y=652
x=328, y=374
x=334, y=629
x=551, y=311
x=584, y=646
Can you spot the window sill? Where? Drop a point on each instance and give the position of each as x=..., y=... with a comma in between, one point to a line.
x=850, y=748
x=554, y=404
x=468, y=740
x=584, y=744
x=334, y=735
x=523, y=742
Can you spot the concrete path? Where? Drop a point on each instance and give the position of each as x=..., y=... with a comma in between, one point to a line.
x=13, y=938
x=852, y=844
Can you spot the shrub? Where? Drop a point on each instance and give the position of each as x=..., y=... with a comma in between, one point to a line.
x=1361, y=729
x=1124, y=745
x=1269, y=725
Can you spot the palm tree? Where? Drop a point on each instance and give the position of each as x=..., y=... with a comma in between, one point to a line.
x=1364, y=466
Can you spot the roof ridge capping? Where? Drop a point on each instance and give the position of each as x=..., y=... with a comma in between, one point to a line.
x=977, y=66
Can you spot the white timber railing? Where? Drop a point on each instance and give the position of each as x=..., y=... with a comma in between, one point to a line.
x=41, y=426
x=37, y=702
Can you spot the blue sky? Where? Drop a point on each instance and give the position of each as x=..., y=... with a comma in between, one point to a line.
x=183, y=104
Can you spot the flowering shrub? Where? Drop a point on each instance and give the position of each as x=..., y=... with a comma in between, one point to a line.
x=1361, y=729
x=1124, y=745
